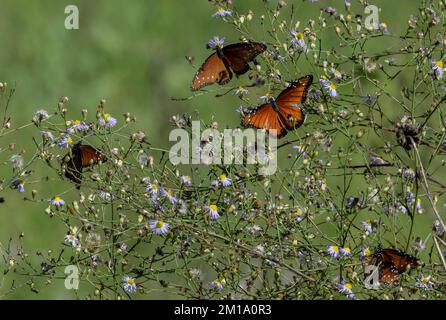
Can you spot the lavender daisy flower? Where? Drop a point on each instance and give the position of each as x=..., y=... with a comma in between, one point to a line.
x=315, y=94
x=212, y=210
x=277, y=56
x=47, y=135
x=345, y=252
x=21, y=187
x=169, y=195
x=186, y=180
x=437, y=69
x=57, y=201
x=222, y=13
x=65, y=142
x=424, y=282
x=268, y=97
x=216, y=42
x=367, y=225
x=217, y=284
x=333, y=251
x=225, y=181
x=40, y=115
x=107, y=121
x=72, y=239
x=366, y=252
x=298, y=41
x=301, y=149
x=374, y=160
x=78, y=126
x=129, y=284
x=159, y=227
x=402, y=209
x=383, y=28
x=153, y=190
x=408, y=173
x=240, y=91
x=298, y=214
x=346, y=288
x=336, y=73
x=419, y=207
x=329, y=87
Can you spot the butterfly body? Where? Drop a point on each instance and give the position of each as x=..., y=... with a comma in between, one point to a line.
x=220, y=66
x=80, y=157
x=283, y=114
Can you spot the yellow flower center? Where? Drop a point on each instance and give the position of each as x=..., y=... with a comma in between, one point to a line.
x=72, y=238
x=222, y=177
x=425, y=280
x=299, y=35
x=107, y=117
x=159, y=224
x=154, y=187
x=298, y=212
x=69, y=140
x=335, y=248
x=213, y=207
x=347, y=249
x=131, y=282
x=333, y=86
x=367, y=252
x=349, y=286
x=439, y=64
x=57, y=199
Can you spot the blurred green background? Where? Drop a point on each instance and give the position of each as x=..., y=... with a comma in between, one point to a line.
x=131, y=53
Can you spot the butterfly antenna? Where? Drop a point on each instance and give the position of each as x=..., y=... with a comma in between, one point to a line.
x=218, y=95
x=190, y=97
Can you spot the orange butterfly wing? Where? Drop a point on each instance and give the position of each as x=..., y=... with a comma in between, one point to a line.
x=399, y=259
x=388, y=274
x=81, y=156
x=391, y=264
x=90, y=155
x=288, y=114
x=291, y=99
x=238, y=55
x=265, y=117
x=212, y=71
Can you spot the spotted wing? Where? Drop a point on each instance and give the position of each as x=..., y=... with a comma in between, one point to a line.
x=212, y=71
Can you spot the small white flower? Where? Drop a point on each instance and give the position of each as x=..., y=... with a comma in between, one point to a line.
x=129, y=284
x=424, y=282
x=72, y=239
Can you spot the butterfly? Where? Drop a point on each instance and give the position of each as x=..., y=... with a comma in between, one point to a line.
x=282, y=114
x=81, y=156
x=392, y=263
x=220, y=66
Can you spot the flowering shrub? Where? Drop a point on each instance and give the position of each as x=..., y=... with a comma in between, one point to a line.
x=364, y=172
